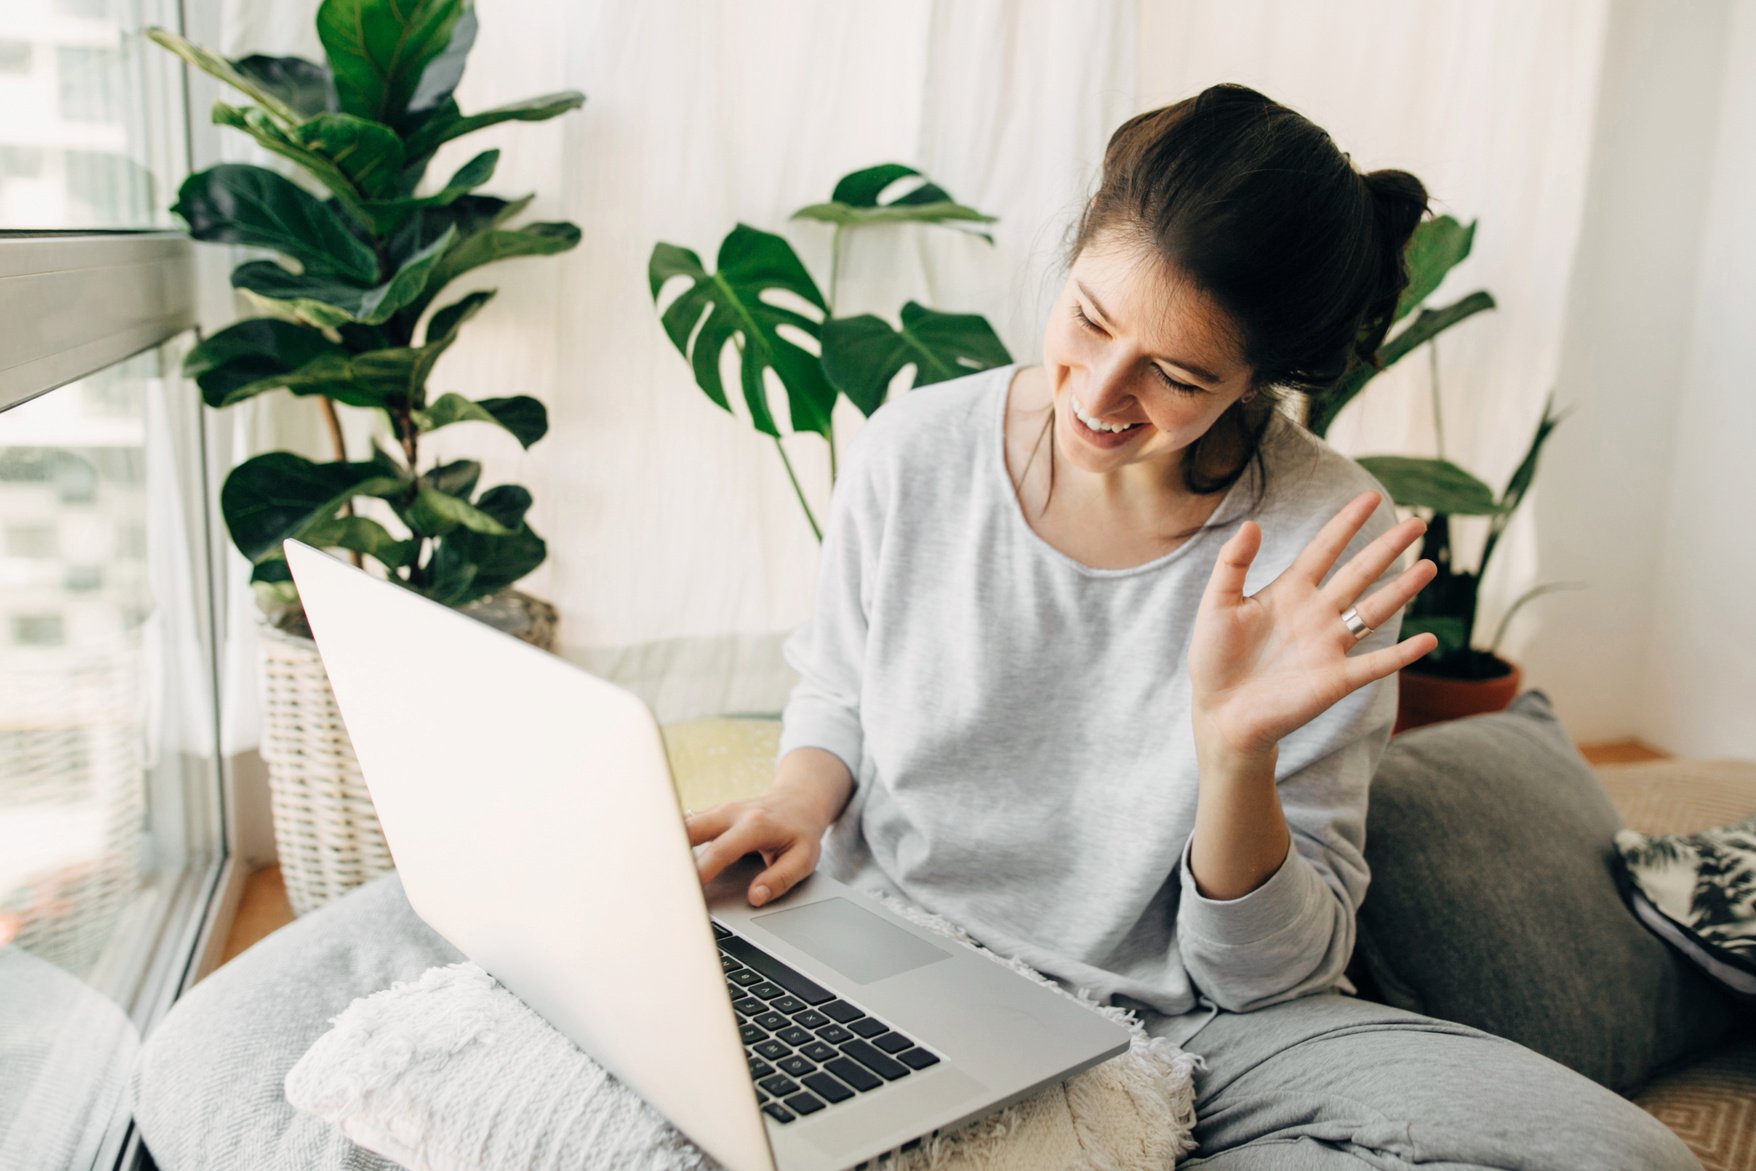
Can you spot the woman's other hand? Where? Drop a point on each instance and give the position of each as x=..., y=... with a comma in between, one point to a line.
x=785, y=824
x=1264, y=666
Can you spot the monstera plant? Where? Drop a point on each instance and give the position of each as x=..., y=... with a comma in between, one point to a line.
x=1436, y=487
x=856, y=356
x=351, y=312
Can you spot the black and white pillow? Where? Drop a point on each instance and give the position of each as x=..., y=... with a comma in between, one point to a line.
x=1697, y=892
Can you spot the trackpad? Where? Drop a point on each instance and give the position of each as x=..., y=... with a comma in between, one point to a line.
x=851, y=939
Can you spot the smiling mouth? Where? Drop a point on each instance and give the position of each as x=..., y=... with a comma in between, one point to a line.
x=1098, y=426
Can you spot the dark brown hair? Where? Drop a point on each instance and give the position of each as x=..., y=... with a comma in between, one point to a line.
x=1257, y=208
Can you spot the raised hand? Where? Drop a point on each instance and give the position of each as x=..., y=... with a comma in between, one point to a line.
x=1265, y=665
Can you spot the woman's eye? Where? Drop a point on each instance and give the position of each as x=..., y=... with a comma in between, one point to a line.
x=1174, y=384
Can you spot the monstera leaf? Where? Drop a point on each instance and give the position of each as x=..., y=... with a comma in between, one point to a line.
x=727, y=308
x=862, y=355
x=855, y=202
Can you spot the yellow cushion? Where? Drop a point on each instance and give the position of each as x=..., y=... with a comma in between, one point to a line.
x=718, y=760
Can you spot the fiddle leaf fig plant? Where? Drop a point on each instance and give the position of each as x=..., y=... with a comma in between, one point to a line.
x=1447, y=607
x=856, y=356
x=353, y=314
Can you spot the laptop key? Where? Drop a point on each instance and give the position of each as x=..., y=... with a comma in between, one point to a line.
x=840, y=1010
x=810, y=1018
x=804, y=1103
x=827, y=1087
x=819, y=1052
x=718, y=931
x=891, y=1042
x=796, y=1065
x=748, y=1006
x=767, y=990
x=751, y=1034
x=875, y=1061
x=834, y=1034
x=787, y=1004
x=772, y=1049
x=745, y=977
x=760, y=1068
x=728, y=964
x=779, y=1085
x=797, y=983
x=854, y=1074
x=869, y=1027
x=778, y=1112
x=917, y=1058
x=773, y=1021
x=795, y=1036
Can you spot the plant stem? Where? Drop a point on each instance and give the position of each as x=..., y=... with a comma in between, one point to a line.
x=799, y=492
x=333, y=421
x=1433, y=381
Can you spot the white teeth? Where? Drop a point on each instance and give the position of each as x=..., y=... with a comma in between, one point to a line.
x=1094, y=424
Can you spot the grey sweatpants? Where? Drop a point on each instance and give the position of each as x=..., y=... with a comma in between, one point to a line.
x=1335, y=1083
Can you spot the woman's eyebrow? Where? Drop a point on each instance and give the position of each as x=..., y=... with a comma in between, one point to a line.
x=1198, y=371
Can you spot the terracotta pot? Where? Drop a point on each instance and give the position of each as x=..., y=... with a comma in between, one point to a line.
x=1428, y=699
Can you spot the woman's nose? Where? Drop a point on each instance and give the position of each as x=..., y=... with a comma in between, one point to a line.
x=1105, y=392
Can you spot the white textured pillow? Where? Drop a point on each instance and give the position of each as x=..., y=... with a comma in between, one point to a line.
x=453, y=1073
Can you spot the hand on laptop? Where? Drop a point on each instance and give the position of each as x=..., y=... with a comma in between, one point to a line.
x=785, y=825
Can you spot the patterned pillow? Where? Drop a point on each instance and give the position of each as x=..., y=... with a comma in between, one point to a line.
x=1697, y=892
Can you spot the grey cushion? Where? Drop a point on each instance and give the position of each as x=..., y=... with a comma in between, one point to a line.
x=1493, y=902
x=208, y=1084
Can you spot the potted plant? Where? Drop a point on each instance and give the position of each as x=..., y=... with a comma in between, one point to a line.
x=856, y=356
x=1456, y=678
x=355, y=320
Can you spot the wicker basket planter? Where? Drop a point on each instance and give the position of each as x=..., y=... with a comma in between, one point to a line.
x=325, y=828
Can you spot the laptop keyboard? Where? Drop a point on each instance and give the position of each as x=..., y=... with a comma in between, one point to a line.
x=808, y=1050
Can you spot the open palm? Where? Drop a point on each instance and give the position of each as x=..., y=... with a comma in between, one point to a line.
x=1263, y=666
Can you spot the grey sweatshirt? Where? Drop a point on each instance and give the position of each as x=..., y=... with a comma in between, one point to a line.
x=1018, y=724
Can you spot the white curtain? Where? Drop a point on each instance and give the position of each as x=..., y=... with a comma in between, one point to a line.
x=679, y=556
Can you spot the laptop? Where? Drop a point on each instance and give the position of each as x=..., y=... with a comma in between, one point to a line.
x=530, y=808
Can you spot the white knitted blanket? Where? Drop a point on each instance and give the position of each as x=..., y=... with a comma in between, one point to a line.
x=451, y=1072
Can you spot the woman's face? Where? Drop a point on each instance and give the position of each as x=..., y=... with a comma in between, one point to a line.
x=1129, y=343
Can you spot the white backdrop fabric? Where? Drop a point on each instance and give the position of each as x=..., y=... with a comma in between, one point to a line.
x=679, y=557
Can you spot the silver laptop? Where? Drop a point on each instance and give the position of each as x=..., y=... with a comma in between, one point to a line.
x=531, y=811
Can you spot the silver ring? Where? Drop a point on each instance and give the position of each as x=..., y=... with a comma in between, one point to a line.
x=1355, y=625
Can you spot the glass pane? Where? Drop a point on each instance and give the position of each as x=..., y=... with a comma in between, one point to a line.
x=108, y=773
x=88, y=115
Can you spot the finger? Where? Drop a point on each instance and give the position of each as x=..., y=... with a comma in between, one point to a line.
x=1364, y=669
x=1380, y=606
x=1225, y=586
x=706, y=824
x=746, y=836
x=1369, y=564
x=788, y=871
x=1333, y=537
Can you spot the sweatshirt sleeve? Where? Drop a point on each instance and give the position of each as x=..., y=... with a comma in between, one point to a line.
x=827, y=651
x=1294, y=934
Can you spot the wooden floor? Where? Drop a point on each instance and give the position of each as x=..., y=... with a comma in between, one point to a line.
x=264, y=907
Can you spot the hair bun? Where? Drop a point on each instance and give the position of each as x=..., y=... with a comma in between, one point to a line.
x=1400, y=200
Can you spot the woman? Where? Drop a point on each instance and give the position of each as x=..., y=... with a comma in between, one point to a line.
x=1098, y=670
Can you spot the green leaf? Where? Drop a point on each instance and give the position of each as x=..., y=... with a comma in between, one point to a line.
x=439, y=79
x=369, y=153
x=493, y=244
x=1450, y=631
x=272, y=136
x=442, y=327
x=1429, y=325
x=506, y=503
x=214, y=65
x=862, y=355
x=234, y=203
x=360, y=535
x=379, y=49
x=1437, y=246
x=469, y=565
x=444, y=122
x=435, y=513
x=855, y=202
x=387, y=214
x=302, y=85
x=1431, y=483
x=1522, y=477
x=727, y=308
x=525, y=417
x=255, y=355
x=276, y=495
x=327, y=301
